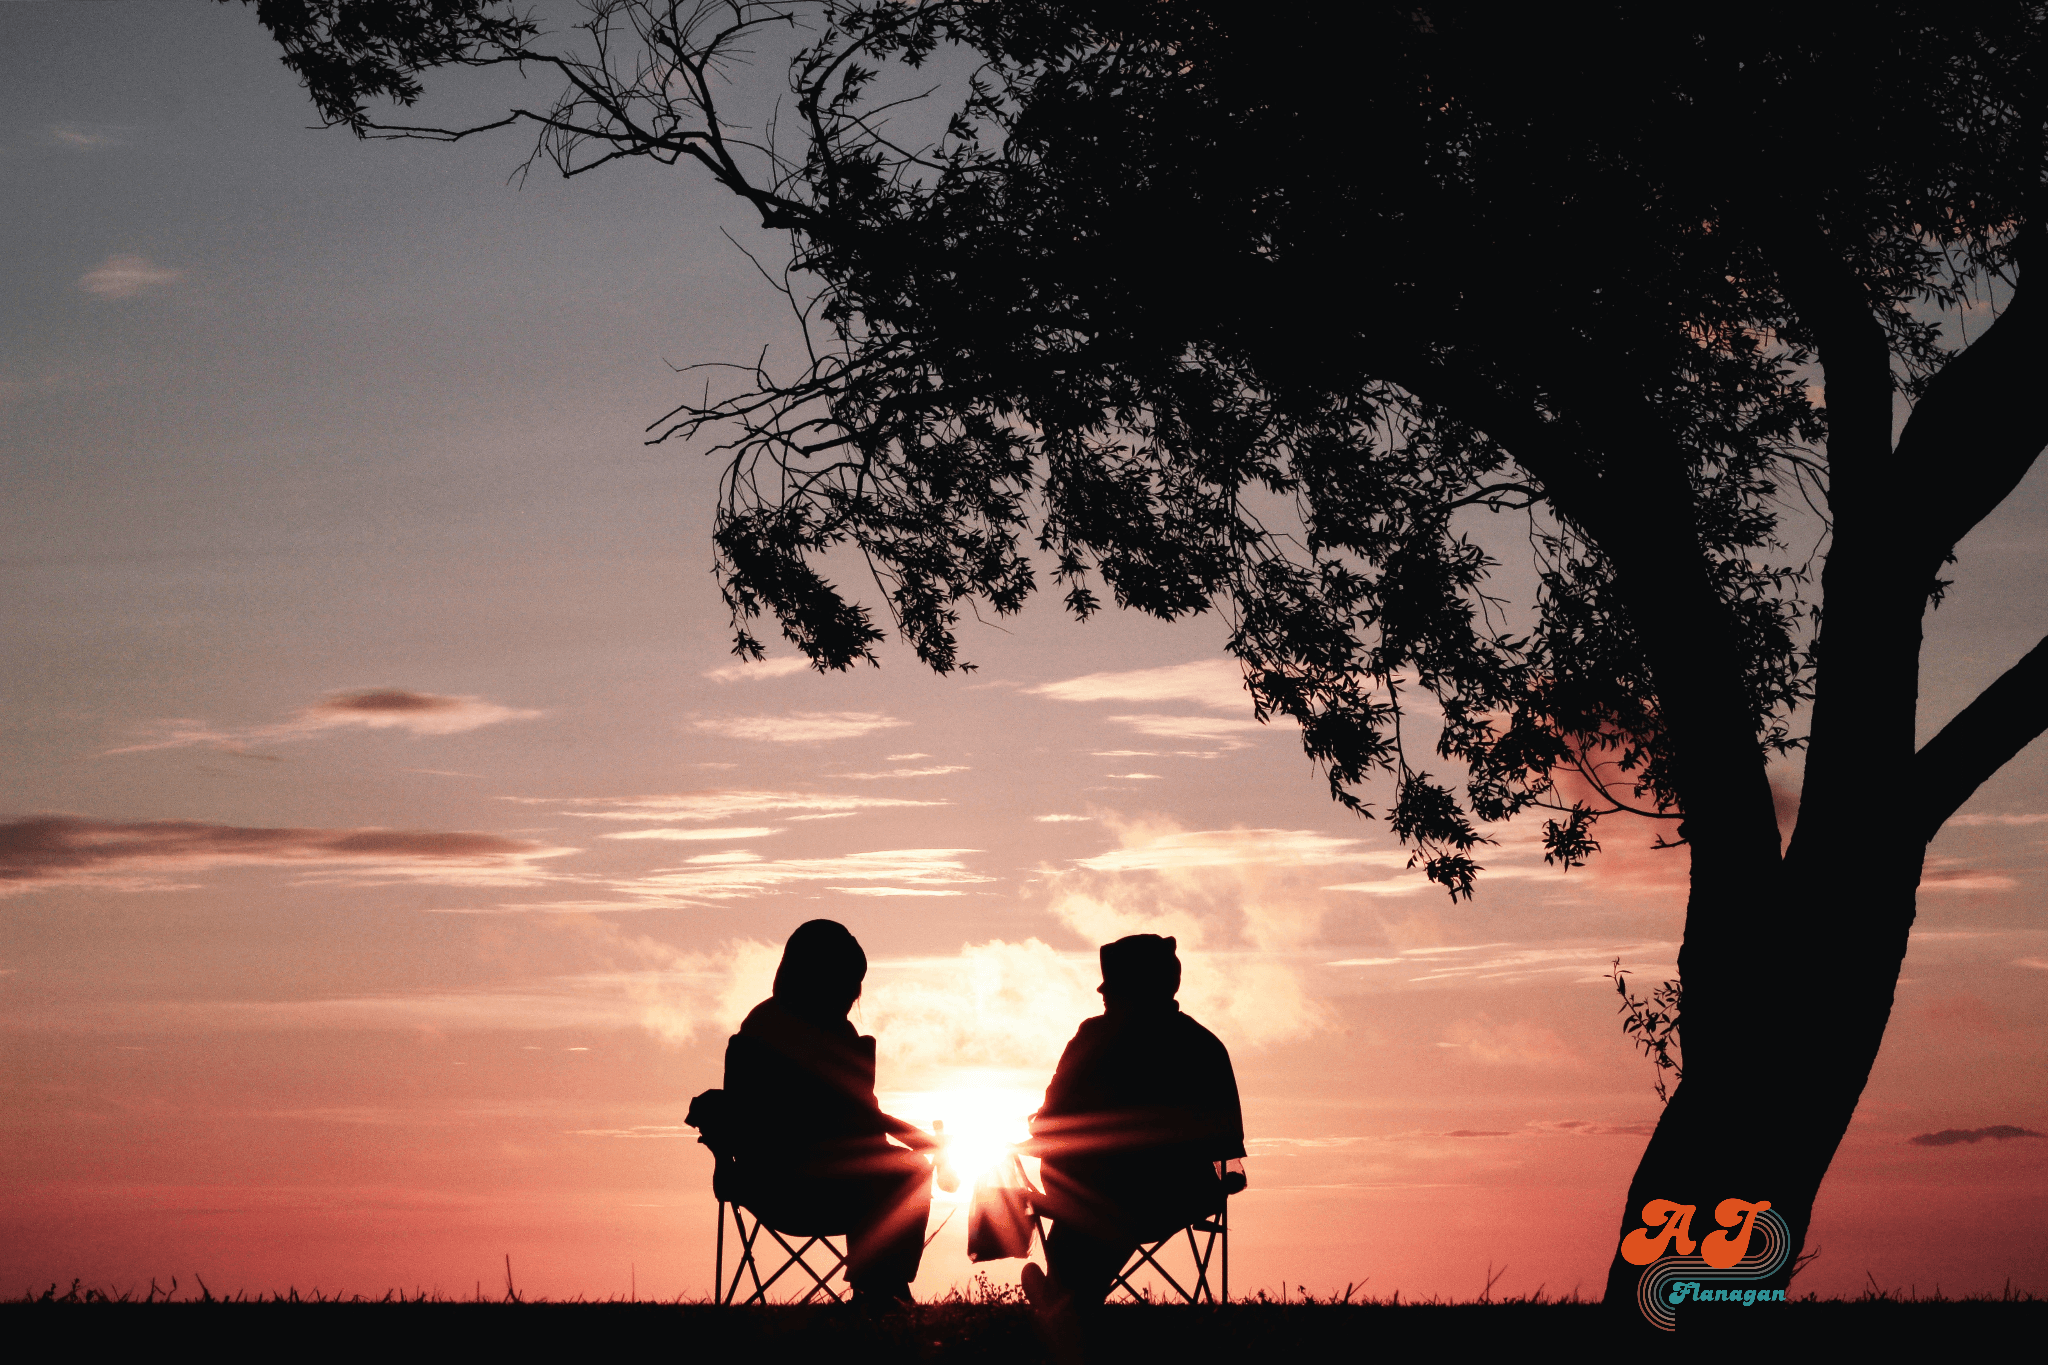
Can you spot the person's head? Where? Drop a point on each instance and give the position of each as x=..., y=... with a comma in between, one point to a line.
x=1140, y=969
x=821, y=970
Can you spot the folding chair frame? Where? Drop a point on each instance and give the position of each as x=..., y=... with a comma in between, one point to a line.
x=1215, y=1231
x=747, y=1263
x=1215, y=1236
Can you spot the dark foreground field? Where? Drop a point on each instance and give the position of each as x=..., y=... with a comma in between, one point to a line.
x=999, y=1331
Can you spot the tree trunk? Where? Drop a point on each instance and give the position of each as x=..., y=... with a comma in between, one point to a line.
x=1774, y=1075
x=1790, y=964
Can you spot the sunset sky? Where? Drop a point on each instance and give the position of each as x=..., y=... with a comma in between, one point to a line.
x=389, y=841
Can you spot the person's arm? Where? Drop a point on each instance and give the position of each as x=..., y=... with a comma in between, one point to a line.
x=909, y=1134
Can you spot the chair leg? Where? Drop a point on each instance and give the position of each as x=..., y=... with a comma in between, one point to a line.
x=1223, y=1219
x=1146, y=1256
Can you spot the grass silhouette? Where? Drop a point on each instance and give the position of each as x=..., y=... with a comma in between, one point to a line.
x=983, y=1322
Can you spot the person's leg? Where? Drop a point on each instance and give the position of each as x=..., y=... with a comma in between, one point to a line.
x=887, y=1240
x=1081, y=1265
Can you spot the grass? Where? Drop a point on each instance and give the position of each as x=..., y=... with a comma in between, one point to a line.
x=983, y=1324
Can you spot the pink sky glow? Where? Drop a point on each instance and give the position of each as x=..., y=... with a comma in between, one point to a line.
x=389, y=841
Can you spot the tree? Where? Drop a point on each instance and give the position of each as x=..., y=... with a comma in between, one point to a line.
x=1219, y=310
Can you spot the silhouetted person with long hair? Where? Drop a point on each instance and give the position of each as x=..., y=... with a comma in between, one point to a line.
x=812, y=1146
x=1136, y=1127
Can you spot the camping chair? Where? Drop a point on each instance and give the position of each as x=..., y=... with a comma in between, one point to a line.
x=1208, y=1247
x=1213, y=1233
x=708, y=1115
x=748, y=1264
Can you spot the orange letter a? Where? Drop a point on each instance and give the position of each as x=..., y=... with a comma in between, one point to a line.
x=1644, y=1246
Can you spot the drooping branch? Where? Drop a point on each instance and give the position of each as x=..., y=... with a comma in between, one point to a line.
x=1983, y=738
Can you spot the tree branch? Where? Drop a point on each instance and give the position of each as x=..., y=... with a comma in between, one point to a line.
x=1980, y=426
x=1986, y=735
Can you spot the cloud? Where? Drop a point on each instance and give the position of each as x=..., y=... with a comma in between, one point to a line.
x=1587, y=1128
x=902, y=758
x=1063, y=819
x=1001, y=1005
x=733, y=874
x=1207, y=729
x=939, y=771
x=126, y=277
x=1475, y=1132
x=746, y=671
x=1135, y=777
x=376, y=708
x=422, y=713
x=996, y=1005
x=85, y=139
x=692, y=835
x=1950, y=874
x=1949, y=1137
x=1581, y=963
x=565, y=1005
x=721, y=804
x=1234, y=899
x=1152, y=850
x=1519, y=1043
x=1208, y=682
x=2039, y=964
x=2017, y=819
x=801, y=727
x=60, y=850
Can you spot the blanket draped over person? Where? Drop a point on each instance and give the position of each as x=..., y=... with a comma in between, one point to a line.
x=812, y=1146
x=1137, y=1125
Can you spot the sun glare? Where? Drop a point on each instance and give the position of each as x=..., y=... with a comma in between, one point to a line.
x=982, y=1120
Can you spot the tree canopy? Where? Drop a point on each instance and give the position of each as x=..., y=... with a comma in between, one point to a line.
x=1219, y=310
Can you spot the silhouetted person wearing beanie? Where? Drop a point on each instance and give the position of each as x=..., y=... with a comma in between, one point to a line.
x=1136, y=1121
x=811, y=1146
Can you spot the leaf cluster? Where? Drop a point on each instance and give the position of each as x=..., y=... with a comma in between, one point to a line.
x=1198, y=307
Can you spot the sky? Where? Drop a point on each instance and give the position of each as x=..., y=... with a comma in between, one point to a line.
x=389, y=841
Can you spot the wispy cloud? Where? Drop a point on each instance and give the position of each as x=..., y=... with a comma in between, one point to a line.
x=1206, y=729
x=1135, y=777
x=59, y=850
x=1516, y=1043
x=801, y=727
x=696, y=835
x=728, y=876
x=1951, y=874
x=1238, y=903
x=1588, y=1128
x=1512, y=962
x=2031, y=818
x=1207, y=682
x=1950, y=1137
x=721, y=804
x=1154, y=851
x=376, y=708
x=85, y=137
x=1063, y=819
x=767, y=668
x=937, y=771
x=127, y=277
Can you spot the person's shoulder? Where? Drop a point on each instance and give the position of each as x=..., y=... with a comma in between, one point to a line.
x=764, y=1015
x=1193, y=1032
x=1094, y=1026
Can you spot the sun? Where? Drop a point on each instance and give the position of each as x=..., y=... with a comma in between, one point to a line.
x=982, y=1120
